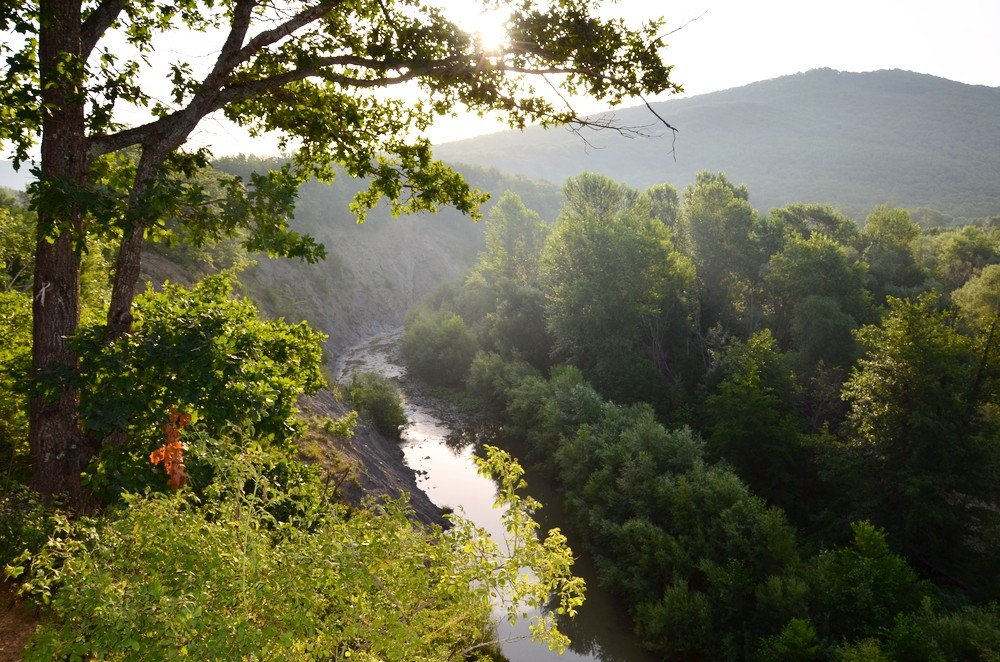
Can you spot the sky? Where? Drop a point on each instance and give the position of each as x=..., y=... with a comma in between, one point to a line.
x=719, y=44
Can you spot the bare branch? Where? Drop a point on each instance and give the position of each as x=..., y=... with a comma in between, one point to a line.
x=686, y=23
x=673, y=129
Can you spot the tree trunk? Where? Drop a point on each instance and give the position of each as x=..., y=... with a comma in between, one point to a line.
x=58, y=447
x=126, y=278
x=129, y=259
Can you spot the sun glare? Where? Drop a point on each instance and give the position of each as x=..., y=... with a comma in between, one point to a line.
x=489, y=29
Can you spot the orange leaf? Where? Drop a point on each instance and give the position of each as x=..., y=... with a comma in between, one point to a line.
x=171, y=454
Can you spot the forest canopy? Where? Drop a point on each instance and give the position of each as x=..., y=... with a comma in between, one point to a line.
x=777, y=435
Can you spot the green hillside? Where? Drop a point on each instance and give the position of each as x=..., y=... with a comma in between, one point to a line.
x=852, y=140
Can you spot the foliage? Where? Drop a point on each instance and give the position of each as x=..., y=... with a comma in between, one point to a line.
x=168, y=576
x=200, y=351
x=544, y=412
x=888, y=237
x=720, y=229
x=513, y=241
x=968, y=633
x=502, y=299
x=795, y=643
x=16, y=244
x=814, y=267
x=822, y=334
x=979, y=298
x=704, y=566
x=858, y=591
x=664, y=204
x=807, y=221
x=438, y=346
x=15, y=361
x=491, y=379
x=378, y=399
x=549, y=559
x=25, y=521
x=924, y=454
x=753, y=425
x=686, y=546
x=612, y=279
x=957, y=255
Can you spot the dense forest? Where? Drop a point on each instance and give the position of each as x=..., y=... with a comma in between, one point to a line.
x=776, y=434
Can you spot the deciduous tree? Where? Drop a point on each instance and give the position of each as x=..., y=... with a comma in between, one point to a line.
x=315, y=71
x=926, y=455
x=612, y=277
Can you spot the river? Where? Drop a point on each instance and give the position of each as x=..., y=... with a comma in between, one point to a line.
x=442, y=457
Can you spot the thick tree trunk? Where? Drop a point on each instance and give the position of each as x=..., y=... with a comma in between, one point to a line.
x=57, y=444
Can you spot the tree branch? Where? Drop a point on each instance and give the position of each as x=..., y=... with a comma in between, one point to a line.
x=242, y=15
x=268, y=37
x=320, y=68
x=97, y=24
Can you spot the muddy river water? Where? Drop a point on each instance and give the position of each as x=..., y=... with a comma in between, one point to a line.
x=442, y=453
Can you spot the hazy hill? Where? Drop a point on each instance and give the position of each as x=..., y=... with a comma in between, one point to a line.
x=376, y=271
x=853, y=140
x=373, y=273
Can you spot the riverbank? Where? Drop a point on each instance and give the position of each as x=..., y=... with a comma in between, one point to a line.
x=440, y=444
x=377, y=466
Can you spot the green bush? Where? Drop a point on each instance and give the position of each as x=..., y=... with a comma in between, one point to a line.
x=171, y=576
x=491, y=379
x=376, y=398
x=163, y=578
x=201, y=351
x=858, y=590
x=15, y=362
x=438, y=346
x=796, y=643
x=25, y=522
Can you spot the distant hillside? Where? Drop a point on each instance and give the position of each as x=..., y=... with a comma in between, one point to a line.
x=376, y=271
x=853, y=140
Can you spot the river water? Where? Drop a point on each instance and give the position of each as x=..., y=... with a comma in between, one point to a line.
x=446, y=471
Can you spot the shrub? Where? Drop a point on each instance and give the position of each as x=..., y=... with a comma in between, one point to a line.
x=15, y=362
x=491, y=379
x=200, y=351
x=25, y=522
x=859, y=589
x=170, y=576
x=376, y=398
x=438, y=346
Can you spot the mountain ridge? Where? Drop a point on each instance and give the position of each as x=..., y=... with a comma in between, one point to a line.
x=852, y=140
